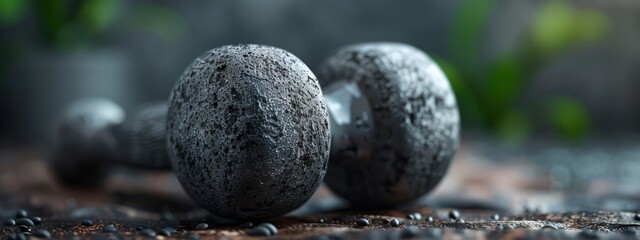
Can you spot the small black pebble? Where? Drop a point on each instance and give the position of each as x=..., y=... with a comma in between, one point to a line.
x=321, y=220
x=10, y=222
x=459, y=220
x=272, y=229
x=18, y=236
x=142, y=227
x=24, y=228
x=363, y=222
x=499, y=228
x=109, y=229
x=36, y=220
x=86, y=223
x=164, y=232
x=247, y=224
x=409, y=232
x=414, y=216
x=22, y=213
x=549, y=227
x=41, y=233
x=148, y=233
x=430, y=219
x=193, y=236
x=637, y=217
x=495, y=217
x=508, y=227
x=259, y=231
x=25, y=221
x=202, y=226
x=394, y=222
x=454, y=214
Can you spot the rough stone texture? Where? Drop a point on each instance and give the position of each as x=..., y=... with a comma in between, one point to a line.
x=85, y=145
x=143, y=137
x=248, y=131
x=415, y=124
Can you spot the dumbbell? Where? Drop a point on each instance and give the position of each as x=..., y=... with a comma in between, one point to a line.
x=93, y=136
x=394, y=123
x=248, y=130
x=237, y=156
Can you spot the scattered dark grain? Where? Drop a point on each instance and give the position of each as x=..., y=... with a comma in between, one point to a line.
x=24, y=228
x=362, y=222
x=414, y=216
x=259, y=231
x=17, y=236
x=148, y=233
x=394, y=222
x=202, y=226
x=272, y=229
x=10, y=222
x=164, y=232
x=109, y=229
x=25, y=221
x=22, y=213
x=454, y=214
x=86, y=223
x=171, y=230
x=41, y=233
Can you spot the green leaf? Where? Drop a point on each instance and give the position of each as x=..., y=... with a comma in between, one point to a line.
x=514, y=126
x=502, y=86
x=568, y=117
x=158, y=20
x=592, y=26
x=553, y=26
x=558, y=25
x=470, y=110
x=51, y=17
x=98, y=15
x=468, y=24
x=11, y=10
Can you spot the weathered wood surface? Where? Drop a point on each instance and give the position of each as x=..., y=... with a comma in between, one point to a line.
x=525, y=194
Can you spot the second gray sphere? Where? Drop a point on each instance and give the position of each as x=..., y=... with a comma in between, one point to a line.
x=248, y=131
x=406, y=125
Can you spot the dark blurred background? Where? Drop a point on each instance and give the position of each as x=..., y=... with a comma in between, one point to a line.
x=565, y=70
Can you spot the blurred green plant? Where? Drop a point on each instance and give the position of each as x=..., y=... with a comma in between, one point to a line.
x=489, y=91
x=70, y=25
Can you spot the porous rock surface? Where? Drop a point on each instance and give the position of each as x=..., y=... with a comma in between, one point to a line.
x=415, y=124
x=248, y=131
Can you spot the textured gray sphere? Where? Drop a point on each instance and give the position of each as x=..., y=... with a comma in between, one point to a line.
x=411, y=131
x=85, y=145
x=248, y=131
x=143, y=137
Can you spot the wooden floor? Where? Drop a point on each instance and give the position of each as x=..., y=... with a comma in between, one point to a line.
x=534, y=195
